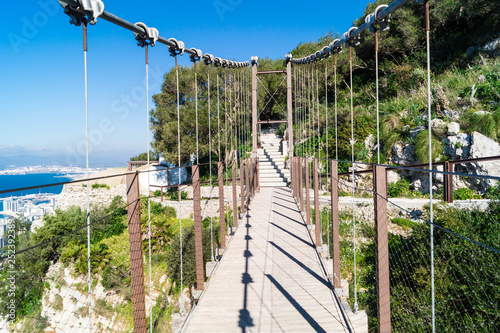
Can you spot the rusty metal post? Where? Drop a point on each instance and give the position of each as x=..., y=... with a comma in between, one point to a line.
x=254, y=104
x=257, y=174
x=248, y=166
x=382, y=249
x=295, y=178
x=222, y=216
x=242, y=187
x=301, y=184
x=308, y=201
x=334, y=197
x=317, y=220
x=235, y=197
x=161, y=193
x=448, y=183
x=135, y=242
x=198, y=231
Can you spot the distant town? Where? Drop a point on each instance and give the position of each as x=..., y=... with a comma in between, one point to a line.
x=33, y=207
x=73, y=172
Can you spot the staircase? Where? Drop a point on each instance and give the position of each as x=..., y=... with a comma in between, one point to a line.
x=272, y=172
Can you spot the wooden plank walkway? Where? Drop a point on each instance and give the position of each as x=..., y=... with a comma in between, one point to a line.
x=270, y=278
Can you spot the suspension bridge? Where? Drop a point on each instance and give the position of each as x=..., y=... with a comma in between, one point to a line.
x=282, y=258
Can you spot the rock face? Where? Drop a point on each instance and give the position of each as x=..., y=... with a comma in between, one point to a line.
x=453, y=128
x=76, y=195
x=482, y=146
x=403, y=155
x=475, y=145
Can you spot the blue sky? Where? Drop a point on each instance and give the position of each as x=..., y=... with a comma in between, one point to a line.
x=41, y=82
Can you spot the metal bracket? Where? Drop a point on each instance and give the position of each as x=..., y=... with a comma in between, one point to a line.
x=375, y=22
x=83, y=10
x=351, y=40
x=208, y=59
x=335, y=49
x=326, y=52
x=217, y=62
x=149, y=37
x=196, y=56
x=178, y=47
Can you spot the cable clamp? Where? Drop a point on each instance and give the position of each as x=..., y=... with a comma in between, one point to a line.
x=333, y=48
x=149, y=37
x=217, y=62
x=326, y=52
x=208, y=59
x=83, y=10
x=176, y=49
x=196, y=56
x=351, y=40
x=375, y=22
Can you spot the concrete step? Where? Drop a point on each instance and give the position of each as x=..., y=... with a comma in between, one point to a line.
x=274, y=171
x=275, y=184
x=272, y=176
x=273, y=181
x=269, y=167
x=271, y=164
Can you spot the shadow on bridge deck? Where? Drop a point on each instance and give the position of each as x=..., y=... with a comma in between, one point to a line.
x=270, y=279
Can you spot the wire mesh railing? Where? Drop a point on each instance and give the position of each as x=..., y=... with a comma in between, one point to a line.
x=44, y=279
x=393, y=285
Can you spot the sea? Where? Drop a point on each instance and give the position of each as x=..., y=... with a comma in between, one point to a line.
x=8, y=182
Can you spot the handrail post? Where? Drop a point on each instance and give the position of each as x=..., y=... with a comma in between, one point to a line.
x=242, y=187
x=448, y=183
x=317, y=221
x=222, y=216
x=235, y=198
x=198, y=231
x=136, y=254
x=334, y=197
x=301, y=183
x=382, y=249
x=308, y=200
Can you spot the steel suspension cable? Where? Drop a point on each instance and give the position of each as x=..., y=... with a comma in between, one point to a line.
x=377, y=93
x=429, y=128
x=226, y=159
x=317, y=108
x=89, y=277
x=336, y=120
x=148, y=137
x=196, y=111
x=327, y=156
x=210, y=160
x=218, y=113
x=353, y=182
x=182, y=310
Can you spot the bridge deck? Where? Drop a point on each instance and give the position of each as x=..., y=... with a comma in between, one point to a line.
x=270, y=279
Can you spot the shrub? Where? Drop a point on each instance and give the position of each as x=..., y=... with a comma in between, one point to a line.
x=404, y=223
x=422, y=147
x=343, y=193
x=174, y=195
x=188, y=253
x=96, y=185
x=465, y=194
x=58, y=303
x=493, y=193
x=399, y=188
